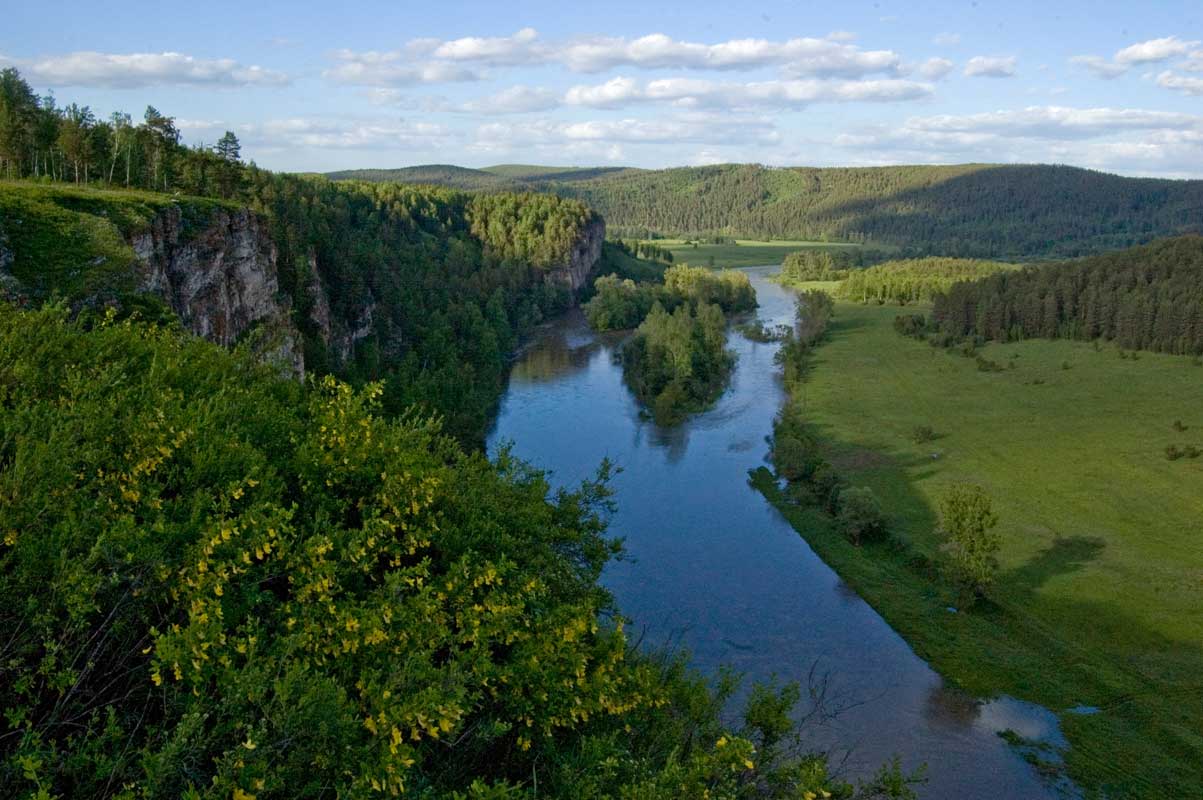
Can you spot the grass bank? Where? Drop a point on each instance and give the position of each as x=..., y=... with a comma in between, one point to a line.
x=1098, y=603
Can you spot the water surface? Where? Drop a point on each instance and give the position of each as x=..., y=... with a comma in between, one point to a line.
x=715, y=569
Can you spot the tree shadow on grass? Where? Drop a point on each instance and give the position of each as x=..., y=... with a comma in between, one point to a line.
x=1063, y=556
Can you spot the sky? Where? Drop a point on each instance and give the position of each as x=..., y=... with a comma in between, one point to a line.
x=1115, y=86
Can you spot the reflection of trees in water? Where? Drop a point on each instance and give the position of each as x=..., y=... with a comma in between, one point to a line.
x=673, y=439
x=560, y=350
x=947, y=706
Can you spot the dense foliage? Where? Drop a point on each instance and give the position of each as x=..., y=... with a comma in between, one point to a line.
x=804, y=266
x=453, y=280
x=620, y=303
x=218, y=583
x=1148, y=298
x=913, y=280
x=678, y=362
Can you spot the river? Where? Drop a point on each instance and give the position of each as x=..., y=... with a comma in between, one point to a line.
x=715, y=569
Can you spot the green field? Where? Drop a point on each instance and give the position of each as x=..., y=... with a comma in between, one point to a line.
x=1100, y=598
x=744, y=253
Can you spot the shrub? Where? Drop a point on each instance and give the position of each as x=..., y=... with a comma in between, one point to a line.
x=1173, y=453
x=922, y=434
x=861, y=517
x=971, y=547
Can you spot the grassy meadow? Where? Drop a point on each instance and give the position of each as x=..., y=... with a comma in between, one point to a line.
x=743, y=253
x=1099, y=602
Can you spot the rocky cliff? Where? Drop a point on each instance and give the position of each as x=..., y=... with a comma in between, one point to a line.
x=221, y=280
x=582, y=259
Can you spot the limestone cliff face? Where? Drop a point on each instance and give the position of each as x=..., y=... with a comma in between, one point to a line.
x=582, y=259
x=340, y=337
x=221, y=281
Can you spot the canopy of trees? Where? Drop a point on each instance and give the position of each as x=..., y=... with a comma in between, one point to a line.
x=678, y=362
x=620, y=303
x=912, y=280
x=1147, y=298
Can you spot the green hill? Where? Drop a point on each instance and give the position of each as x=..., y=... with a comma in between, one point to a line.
x=970, y=210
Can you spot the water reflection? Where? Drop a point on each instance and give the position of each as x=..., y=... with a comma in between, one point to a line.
x=716, y=570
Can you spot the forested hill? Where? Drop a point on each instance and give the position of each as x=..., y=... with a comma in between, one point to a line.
x=978, y=210
x=1145, y=298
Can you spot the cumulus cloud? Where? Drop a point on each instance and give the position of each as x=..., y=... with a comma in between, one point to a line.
x=1154, y=50
x=1147, y=52
x=991, y=67
x=1181, y=83
x=433, y=60
x=1107, y=138
x=599, y=136
x=139, y=70
x=700, y=93
x=312, y=132
x=514, y=100
x=394, y=68
x=934, y=68
x=1100, y=66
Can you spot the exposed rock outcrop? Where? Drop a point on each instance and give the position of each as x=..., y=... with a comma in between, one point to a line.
x=340, y=338
x=221, y=281
x=575, y=273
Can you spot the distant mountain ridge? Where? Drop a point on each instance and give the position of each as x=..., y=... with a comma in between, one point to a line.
x=978, y=210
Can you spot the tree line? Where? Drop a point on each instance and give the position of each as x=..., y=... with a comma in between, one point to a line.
x=40, y=139
x=1144, y=298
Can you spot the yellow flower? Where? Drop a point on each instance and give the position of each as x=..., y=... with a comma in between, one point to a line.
x=241, y=795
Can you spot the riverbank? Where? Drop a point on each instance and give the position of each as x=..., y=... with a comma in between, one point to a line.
x=1097, y=605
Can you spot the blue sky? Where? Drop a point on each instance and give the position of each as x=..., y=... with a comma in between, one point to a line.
x=315, y=86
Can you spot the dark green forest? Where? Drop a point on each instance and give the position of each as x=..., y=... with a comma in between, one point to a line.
x=1145, y=298
x=969, y=210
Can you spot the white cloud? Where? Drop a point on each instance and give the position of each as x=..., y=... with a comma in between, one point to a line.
x=434, y=60
x=139, y=70
x=991, y=67
x=935, y=68
x=313, y=132
x=701, y=93
x=946, y=39
x=1146, y=52
x=521, y=48
x=1100, y=66
x=1194, y=63
x=1180, y=83
x=394, y=68
x=1154, y=50
x=514, y=100
x=1125, y=140
x=601, y=136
